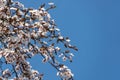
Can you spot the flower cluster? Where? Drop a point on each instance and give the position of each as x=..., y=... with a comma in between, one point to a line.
x=25, y=32
x=65, y=73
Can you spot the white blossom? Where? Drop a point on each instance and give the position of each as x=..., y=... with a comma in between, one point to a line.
x=65, y=73
x=57, y=48
x=60, y=37
x=60, y=55
x=13, y=8
x=64, y=58
x=68, y=40
x=71, y=54
x=57, y=29
x=2, y=3
x=6, y=73
x=51, y=3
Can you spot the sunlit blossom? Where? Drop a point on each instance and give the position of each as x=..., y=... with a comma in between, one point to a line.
x=51, y=3
x=26, y=32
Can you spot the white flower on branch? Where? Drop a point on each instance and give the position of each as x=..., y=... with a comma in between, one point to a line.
x=68, y=40
x=57, y=48
x=2, y=3
x=60, y=37
x=71, y=54
x=13, y=8
x=57, y=29
x=64, y=72
x=1, y=53
x=34, y=73
x=64, y=58
x=6, y=73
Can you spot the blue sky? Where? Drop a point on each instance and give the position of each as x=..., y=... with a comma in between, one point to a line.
x=93, y=26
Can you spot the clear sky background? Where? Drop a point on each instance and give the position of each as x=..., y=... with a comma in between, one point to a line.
x=93, y=26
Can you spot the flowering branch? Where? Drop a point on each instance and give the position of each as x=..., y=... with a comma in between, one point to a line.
x=26, y=32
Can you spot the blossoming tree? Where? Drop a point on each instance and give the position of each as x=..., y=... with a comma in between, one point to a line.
x=26, y=32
